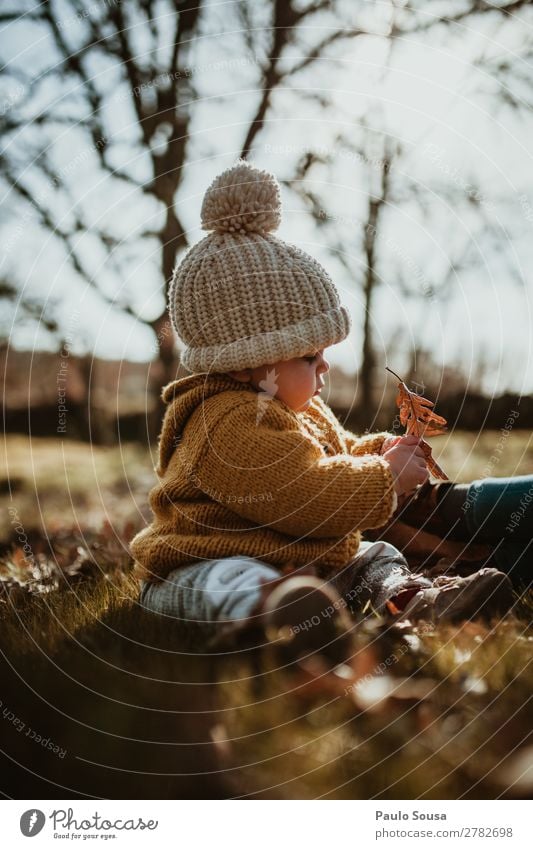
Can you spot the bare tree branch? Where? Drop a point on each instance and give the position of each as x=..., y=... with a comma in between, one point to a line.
x=163, y=95
x=66, y=237
x=284, y=24
x=477, y=7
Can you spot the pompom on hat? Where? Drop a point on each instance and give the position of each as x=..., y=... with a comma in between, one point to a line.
x=242, y=297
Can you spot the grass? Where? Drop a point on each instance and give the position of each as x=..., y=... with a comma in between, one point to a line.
x=466, y=456
x=100, y=699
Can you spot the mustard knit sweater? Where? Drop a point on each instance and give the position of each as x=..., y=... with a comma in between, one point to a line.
x=243, y=475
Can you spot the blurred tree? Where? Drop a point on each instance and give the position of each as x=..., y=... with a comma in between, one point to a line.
x=25, y=308
x=95, y=60
x=147, y=49
x=384, y=168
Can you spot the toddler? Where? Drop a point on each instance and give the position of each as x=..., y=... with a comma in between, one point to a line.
x=263, y=495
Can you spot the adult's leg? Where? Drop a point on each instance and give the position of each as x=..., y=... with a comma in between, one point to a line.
x=499, y=512
x=493, y=516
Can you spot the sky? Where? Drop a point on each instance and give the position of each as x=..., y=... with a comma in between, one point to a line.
x=461, y=189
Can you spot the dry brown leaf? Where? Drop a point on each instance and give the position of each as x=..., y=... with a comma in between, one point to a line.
x=419, y=419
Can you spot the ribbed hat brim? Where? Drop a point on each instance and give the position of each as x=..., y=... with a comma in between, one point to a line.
x=296, y=340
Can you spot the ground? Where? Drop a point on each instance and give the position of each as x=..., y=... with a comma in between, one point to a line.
x=100, y=699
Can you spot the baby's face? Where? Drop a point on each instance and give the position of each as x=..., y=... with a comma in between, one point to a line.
x=293, y=381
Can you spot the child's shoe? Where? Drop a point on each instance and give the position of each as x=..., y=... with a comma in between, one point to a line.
x=296, y=618
x=486, y=594
x=304, y=617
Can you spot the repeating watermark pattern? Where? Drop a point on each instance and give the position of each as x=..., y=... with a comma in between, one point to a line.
x=378, y=670
x=62, y=374
x=18, y=231
x=187, y=72
x=342, y=602
x=437, y=156
x=10, y=101
x=526, y=208
x=269, y=387
x=411, y=643
x=22, y=537
x=220, y=497
x=249, y=498
x=161, y=336
x=495, y=457
x=62, y=409
x=21, y=727
x=325, y=152
x=78, y=160
x=518, y=515
x=42, y=197
x=425, y=286
x=84, y=13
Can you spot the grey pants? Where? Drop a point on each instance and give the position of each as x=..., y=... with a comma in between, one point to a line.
x=226, y=590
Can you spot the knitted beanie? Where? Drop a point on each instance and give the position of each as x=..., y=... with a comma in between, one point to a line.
x=242, y=297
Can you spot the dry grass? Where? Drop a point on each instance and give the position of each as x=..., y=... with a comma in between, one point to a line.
x=466, y=456
x=139, y=713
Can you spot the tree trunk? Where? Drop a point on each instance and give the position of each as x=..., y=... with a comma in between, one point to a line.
x=368, y=361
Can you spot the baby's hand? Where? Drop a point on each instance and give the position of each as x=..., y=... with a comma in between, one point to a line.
x=407, y=461
x=388, y=442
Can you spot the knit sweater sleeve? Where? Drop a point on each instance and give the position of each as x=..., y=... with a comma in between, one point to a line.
x=273, y=474
x=370, y=443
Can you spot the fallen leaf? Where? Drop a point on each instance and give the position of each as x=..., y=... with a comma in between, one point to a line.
x=419, y=419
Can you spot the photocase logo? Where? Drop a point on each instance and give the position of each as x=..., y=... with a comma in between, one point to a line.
x=269, y=388
x=32, y=822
